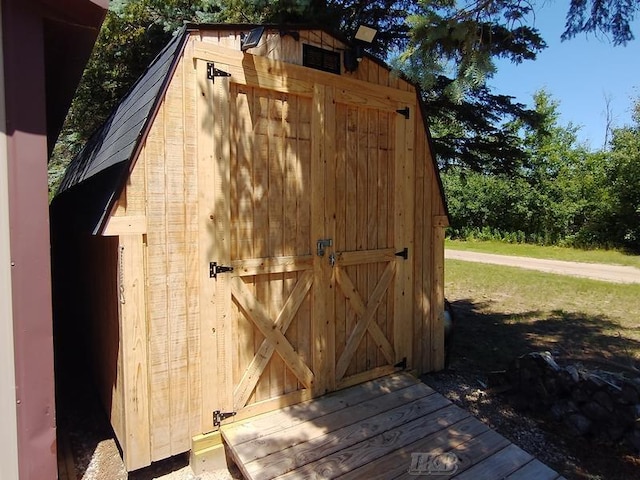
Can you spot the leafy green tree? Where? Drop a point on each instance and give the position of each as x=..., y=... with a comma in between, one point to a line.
x=561, y=193
x=624, y=181
x=448, y=48
x=557, y=170
x=606, y=17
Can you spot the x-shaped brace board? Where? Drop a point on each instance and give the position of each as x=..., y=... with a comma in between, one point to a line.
x=273, y=333
x=365, y=314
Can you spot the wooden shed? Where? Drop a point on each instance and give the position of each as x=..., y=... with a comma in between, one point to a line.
x=250, y=229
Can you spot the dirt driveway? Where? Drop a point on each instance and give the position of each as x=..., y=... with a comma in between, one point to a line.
x=596, y=271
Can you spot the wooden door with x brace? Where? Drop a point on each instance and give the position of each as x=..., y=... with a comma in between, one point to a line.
x=311, y=210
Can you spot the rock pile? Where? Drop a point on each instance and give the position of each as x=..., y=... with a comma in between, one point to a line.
x=596, y=404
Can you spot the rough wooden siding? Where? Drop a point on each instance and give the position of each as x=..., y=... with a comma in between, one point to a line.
x=104, y=328
x=169, y=164
x=162, y=191
x=270, y=217
x=430, y=221
x=287, y=49
x=113, y=277
x=161, y=206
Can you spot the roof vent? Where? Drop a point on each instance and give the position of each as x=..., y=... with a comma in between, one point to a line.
x=320, y=59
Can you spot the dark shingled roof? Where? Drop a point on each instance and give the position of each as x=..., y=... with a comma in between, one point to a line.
x=118, y=137
x=111, y=148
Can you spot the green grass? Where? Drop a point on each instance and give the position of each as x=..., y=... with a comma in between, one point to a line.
x=612, y=257
x=505, y=312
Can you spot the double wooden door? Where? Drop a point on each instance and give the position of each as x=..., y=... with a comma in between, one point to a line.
x=312, y=213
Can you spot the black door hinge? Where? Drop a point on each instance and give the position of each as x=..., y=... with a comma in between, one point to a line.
x=402, y=364
x=215, y=269
x=219, y=417
x=404, y=253
x=213, y=72
x=404, y=111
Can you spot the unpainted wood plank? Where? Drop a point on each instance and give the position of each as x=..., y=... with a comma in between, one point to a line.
x=362, y=257
x=362, y=72
x=306, y=433
x=284, y=77
x=391, y=216
x=224, y=329
x=383, y=76
x=271, y=404
x=207, y=210
x=101, y=255
x=397, y=463
x=354, y=456
x=356, y=335
x=134, y=194
x=331, y=441
x=466, y=454
x=410, y=206
x=356, y=378
x=125, y=225
x=355, y=301
x=260, y=227
x=318, y=188
x=351, y=239
x=251, y=376
x=362, y=361
x=300, y=125
x=267, y=423
x=260, y=317
x=290, y=215
x=341, y=185
x=192, y=258
x=373, y=71
x=233, y=167
x=498, y=465
x=383, y=209
x=137, y=448
x=265, y=265
x=404, y=208
x=534, y=470
x=290, y=50
x=420, y=327
x=243, y=133
x=329, y=154
x=437, y=312
x=374, y=358
x=428, y=270
x=276, y=170
x=242, y=217
x=176, y=263
x=441, y=221
x=159, y=384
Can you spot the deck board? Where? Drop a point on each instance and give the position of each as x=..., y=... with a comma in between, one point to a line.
x=375, y=430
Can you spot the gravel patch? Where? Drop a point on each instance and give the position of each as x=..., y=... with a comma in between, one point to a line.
x=574, y=458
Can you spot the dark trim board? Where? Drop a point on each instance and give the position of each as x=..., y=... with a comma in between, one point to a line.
x=389, y=428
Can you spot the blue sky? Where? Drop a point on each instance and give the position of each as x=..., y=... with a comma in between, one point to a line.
x=578, y=73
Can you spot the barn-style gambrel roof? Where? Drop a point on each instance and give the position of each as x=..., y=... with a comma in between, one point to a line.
x=112, y=147
x=100, y=169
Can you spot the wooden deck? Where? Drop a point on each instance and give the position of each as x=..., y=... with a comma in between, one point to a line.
x=393, y=427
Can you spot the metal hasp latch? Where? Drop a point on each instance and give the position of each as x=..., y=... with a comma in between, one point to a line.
x=219, y=417
x=404, y=253
x=215, y=269
x=322, y=244
x=213, y=72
